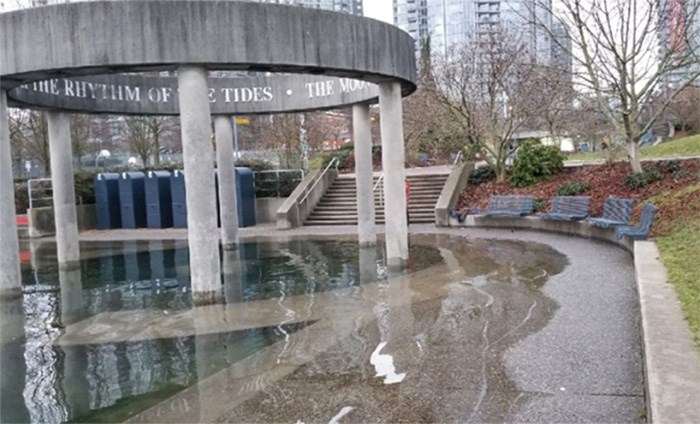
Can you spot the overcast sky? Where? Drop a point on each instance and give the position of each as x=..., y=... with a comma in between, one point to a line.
x=379, y=9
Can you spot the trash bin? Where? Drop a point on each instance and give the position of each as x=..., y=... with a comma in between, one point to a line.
x=179, y=199
x=245, y=197
x=159, y=205
x=107, y=204
x=132, y=199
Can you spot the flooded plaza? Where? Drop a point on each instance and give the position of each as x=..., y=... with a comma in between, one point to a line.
x=318, y=330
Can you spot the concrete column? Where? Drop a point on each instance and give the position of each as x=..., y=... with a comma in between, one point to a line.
x=227, y=182
x=391, y=127
x=10, y=277
x=198, y=155
x=63, y=190
x=362, y=137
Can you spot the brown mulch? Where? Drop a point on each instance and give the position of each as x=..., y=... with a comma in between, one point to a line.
x=605, y=180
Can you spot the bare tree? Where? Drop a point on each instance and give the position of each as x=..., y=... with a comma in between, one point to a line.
x=80, y=131
x=138, y=134
x=146, y=135
x=489, y=87
x=31, y=131
x=684, y=112
x=617, y=57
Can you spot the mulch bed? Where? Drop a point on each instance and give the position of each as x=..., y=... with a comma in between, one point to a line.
x=605, y=180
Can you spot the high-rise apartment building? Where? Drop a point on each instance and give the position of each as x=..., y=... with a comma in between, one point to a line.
x=354, y=7
x=680, y=34
x=451, y=22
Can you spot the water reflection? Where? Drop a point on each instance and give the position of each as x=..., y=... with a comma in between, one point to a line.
x=463, y=303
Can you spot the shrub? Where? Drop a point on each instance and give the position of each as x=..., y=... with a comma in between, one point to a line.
x=535, y=162
x=572, y=188
x=254, y=164
x=641, y=179
x=481, y=174
x=343, y=154
x=84, y=187
x=539, y=204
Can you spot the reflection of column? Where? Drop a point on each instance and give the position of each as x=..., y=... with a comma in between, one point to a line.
x=10, y=277
x=363, y=175
x=233, y=277
x=368, y=264
x=198, y=155
x=12, y=363
x=227, y=182
x=71, y=295
x=74, y=382
x=391, y=127
x=156, y=260
x=63, y=189
x=206, y=345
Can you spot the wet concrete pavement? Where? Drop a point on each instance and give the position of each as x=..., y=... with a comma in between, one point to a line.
x=512, y=332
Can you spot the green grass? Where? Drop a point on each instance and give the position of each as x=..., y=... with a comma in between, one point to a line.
x=680, y=250
x=687, y=146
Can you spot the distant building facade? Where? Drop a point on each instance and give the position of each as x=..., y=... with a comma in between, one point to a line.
x=680, y=33
x=353, y=7
x=453, y=22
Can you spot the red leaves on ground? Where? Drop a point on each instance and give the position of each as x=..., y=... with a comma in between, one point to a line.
x=605, y=181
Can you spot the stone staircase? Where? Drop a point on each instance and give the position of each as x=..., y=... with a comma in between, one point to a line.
x=338, y=206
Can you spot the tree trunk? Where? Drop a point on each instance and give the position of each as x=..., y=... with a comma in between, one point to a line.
x=156, y=148
x=634, y=156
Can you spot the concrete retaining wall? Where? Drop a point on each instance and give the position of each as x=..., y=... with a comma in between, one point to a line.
x=266, y=209
x=297, y=207
x=453, y=187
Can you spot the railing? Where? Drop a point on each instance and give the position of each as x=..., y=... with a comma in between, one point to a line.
x=333, y=163
x=281, y=185
x=379, y=185
x=458, y=158
x=39, y=190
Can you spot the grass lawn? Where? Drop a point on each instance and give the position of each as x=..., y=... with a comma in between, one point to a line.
x=687, y=146
x=678, y=238
x=680, y=250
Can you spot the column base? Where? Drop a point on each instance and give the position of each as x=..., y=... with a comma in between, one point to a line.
x=11, y=293
x=396, y=264
x=69, y=265
x=229, y=246
x=207, y=298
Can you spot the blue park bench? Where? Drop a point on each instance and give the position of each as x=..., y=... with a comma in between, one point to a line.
x=509, y=206
x=642, y=230
x=616, y=211
x=568, y=208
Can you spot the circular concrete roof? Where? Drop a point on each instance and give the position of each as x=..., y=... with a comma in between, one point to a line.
x=66, y=56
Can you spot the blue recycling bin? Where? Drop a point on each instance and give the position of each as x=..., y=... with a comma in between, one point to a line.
x=132, y=197
x=107, y=204
x=159, y=205
x=245, y=197
x=179, y=199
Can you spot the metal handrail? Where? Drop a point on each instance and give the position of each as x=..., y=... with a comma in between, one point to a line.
x=320, y=176
x=379, y=185
x=458, y=158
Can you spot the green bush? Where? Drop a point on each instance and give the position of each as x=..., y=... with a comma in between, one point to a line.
x=21, y=197
x=641, y=179
x=254, y=164
x=534, y=163
x=85, y=187
x=481, y=174
x=343, y=154
x=572, y=188
x=539, y=204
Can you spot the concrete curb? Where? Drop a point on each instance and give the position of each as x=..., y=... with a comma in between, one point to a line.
x=671, y=363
